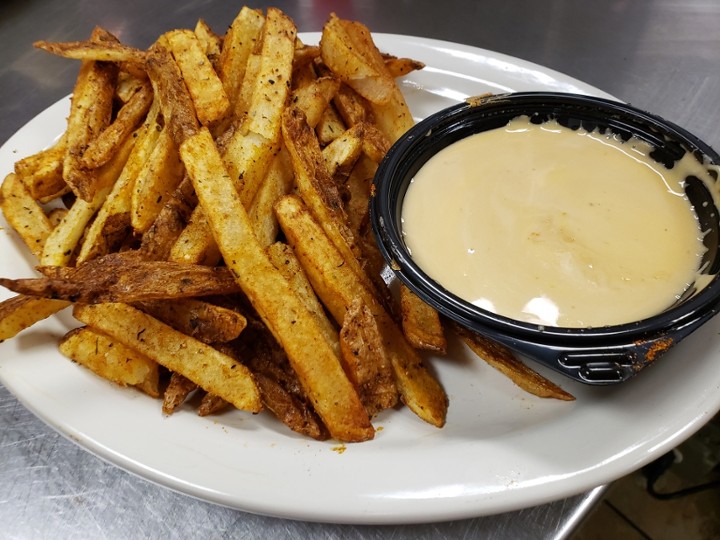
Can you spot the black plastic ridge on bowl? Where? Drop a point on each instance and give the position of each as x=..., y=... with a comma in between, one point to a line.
x=599, y=355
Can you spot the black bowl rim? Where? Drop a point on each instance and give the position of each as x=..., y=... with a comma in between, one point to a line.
x=389, y=239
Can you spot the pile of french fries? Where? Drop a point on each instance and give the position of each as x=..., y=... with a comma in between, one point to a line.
x=205, y=214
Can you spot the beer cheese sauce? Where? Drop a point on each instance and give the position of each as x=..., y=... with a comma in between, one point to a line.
x=553, y=226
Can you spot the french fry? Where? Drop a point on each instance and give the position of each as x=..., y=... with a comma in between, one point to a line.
x=205, y=87
x=211, y=404
x=101, y=149
x=113, y=221
x=210, y=42
x=365, y=359
x=502, y=359
x=196, y=318
x=65, y=237
x=311, y=356
x=124, y=277
x=169, y=89
x=90, y=113
x=314, y=97
x=42, y=172
x=155, y=182
x=24, y=214
x=337, y=286
x=421, y=323
x=237, y=45
x=94, y=50
x=111, y=360
x=399, y=67
x=20, y=312
x=208, y=368
x=178, y=389
x=348, y=50
x=248, y=154
x=278, y=182
x=195, y=244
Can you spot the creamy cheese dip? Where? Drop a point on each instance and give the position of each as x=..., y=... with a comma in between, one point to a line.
x=553, y=226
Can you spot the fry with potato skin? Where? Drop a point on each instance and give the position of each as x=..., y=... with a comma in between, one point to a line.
x=215, y=372
x=24, y=214
x=310, y=355
x=502, y=359
x=20, y=312
x=337, y=286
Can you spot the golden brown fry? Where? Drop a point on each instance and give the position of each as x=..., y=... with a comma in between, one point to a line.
x=94, y=50
x=365, y=359
x=239, y=42
x=399, y=67
x=204, y=321
x=337, y=286
x=20, y=312
x=195, y=244
x=421, y=323
x=205, y=87
x=342, y=153
x=177, y=391
x=160, y=174
x=352, y=107
x=90, y=113
x=170, y=90
x=330, y=126
x=250, y=151
x=314, y=97
x=42, y=172
x=348, y=50
x=278, y=182
x=311, y=356
x=502, y=359
x=124, y=277
x=24, y=215
x=111, y=360
x=101, y=149
x=211, y=43
x=211, y=404
x=210, y=369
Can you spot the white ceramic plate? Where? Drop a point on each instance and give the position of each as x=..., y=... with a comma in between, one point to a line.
x=500, y=450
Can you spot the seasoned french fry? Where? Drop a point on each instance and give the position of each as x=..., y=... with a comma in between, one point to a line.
x=20, y=312
x=195, y=245
x=103, y=50
x=337, y=286
x=155, y=182
x=215, y=372
x=237, y=45
x=111, y=360
x=205, y=87
x=278, y=182
x=101, y=149
x=24, y=214
x=211, y=404
x=248, y=154
x=314, y=97
x=312, y=357
x=42, y=172
x=177, y=391
x=398, y=67
x=210, y=42
x=365, y=359
x=421, y=323
x=502, y=359
x=348, y=50
x=204, y=321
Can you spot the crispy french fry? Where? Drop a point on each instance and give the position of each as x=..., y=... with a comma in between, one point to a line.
x=177, y=391
x=155, y=182
x=204, y=321
x=65, y=237
x=239, y=42
x=278, y=182
x=101, y=149
x=208, y=368
x=365, y=359
x=341, y=154
x=249, y=153
x=111, y=360
x=330, y=126
x=337, y=286
x=210, y=42
x=421, y=323
x=196, y=245
x=124, y=277
x=170, y=90
x=349, y=51
x=113, y=223
x=211, y=404
x=312, y=357
x=20, y=312
x=398, y=67
x=314, y=97
x=205, y=87
x=42, y=172
x=502, y=359
x=24, y=214
x=94, y=50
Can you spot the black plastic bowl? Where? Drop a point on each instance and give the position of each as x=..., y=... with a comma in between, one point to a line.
x=599, y=355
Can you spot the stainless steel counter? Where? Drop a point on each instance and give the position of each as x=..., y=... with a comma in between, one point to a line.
x=660, y=55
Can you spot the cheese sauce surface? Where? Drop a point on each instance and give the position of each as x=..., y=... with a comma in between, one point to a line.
x=553, y=226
